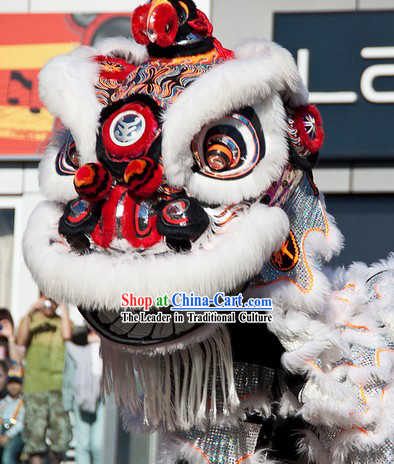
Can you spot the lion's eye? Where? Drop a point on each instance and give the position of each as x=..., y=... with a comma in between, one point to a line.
x=231, y=147
x=222, y=153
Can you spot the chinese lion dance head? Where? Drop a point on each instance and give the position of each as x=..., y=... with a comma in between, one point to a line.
x=177, y=158
x=186, y=167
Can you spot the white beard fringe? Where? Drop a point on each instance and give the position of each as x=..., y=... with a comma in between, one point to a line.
x=176, y=384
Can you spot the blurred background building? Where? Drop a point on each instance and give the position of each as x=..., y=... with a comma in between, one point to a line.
x=345, y=52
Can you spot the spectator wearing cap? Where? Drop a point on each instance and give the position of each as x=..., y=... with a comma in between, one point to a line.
x=12, y=412
x=47, y=429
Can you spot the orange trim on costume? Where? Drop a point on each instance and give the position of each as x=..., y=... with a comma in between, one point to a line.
x=377, y=291
x=363, y=396
x=350, y=365
x=201, y=451
x=314, y=365
x=244, y=458
x=364, y=399
x=350, y=285
x=362, y=430
x=346, y=364
x=230, y=218
x=184, y=6
x=361, y=327
x=226, y=210
x=345, y=300
x=379, y=352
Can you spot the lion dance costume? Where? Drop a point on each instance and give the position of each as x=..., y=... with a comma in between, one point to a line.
x=187, y=167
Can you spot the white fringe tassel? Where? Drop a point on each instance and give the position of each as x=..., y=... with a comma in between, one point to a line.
x=176, y=385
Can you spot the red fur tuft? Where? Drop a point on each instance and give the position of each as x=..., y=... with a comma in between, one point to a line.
x=140, y=239
x=105, y=230
x=312, y=145
x=201, y=25
x=164, y=23
x=139, y=23
x=224, y=53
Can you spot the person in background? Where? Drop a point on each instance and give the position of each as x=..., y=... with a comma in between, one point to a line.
x=3, y=379
x=87, y=404
x=12, y=411
x=9, y=351
x=43, y=332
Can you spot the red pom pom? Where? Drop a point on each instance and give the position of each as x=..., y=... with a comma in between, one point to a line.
x=139, y=21
x=308, y=121
x=163, y=21
x=143, y=177
x=92, y=182
x=130, y=131
x=201, y=25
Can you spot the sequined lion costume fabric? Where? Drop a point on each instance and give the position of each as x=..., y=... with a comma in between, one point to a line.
x=187, y=167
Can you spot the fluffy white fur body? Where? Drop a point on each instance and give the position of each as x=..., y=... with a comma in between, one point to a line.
x=323, y=345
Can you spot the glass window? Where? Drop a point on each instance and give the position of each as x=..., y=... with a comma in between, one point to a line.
x=6, y=255
x=367, y=223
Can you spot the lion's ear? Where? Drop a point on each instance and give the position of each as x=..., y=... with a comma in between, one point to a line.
x=67, y=87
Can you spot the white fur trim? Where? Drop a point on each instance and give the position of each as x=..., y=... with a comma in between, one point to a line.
x=124, y=48
x=97, y=280
x=289, y=405
x=260, y=70
x=53, y=186
x=66, y=86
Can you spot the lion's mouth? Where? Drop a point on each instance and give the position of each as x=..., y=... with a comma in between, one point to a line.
x=231, y=251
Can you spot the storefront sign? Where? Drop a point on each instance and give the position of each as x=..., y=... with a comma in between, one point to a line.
x=347, y=61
